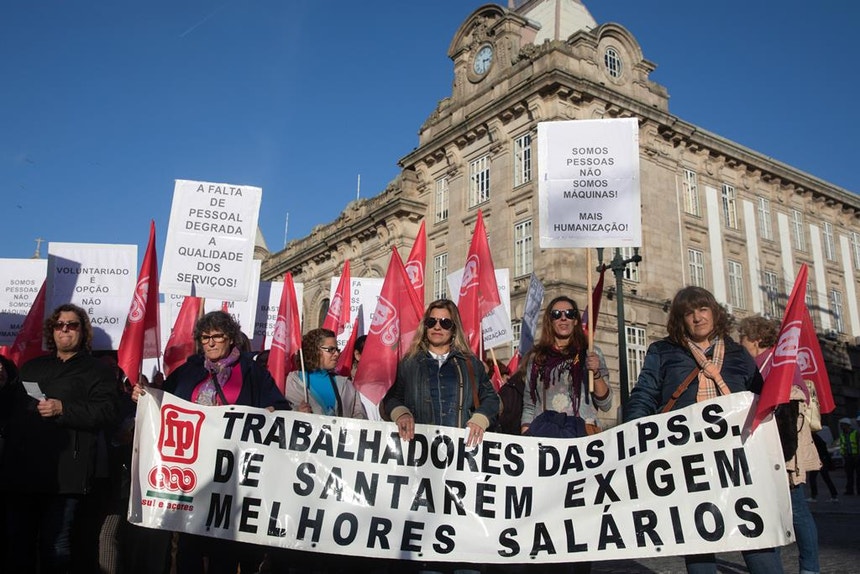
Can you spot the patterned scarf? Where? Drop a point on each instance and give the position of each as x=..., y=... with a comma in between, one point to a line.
x=219, y=371
x=553, y=367
x=711, y=384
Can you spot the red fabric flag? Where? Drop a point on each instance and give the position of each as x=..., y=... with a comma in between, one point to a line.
x=346, y=358
x=338, y=310
x=140, y=337
x=287, y=335
x=479, y=293
x=392, y=328
x=514, y=363
x=28, y=343
x=181, y=344
x=417, y=261
x=596, y=297
x=225, y=306
x=496, y=379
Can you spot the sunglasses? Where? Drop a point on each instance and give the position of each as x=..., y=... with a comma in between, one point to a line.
x=446, y=323
x=63, y=325
x=330, y=349
x=216, y=338
x=556, y=314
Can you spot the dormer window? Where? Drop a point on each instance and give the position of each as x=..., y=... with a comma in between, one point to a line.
x=612, y=61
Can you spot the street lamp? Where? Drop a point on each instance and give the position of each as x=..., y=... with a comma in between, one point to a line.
x=618, y=265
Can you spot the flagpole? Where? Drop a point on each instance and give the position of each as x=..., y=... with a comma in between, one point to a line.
x=590, y=318
x=304, y=378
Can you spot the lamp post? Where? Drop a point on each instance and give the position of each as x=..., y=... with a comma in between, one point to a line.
x=618, y=266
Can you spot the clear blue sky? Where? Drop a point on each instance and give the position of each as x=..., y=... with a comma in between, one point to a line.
x=104, y=103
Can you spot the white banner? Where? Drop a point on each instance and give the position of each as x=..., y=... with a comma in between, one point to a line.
x=100, y=279
x=20, y=281
x=243, y=312
x=268, y=305
x=210, y=240
x=495, y=325
x=588, y=185
x=363, y=294
x=685, y=482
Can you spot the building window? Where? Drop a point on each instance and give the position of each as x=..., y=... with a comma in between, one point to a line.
x=836, y=310
x=691, y=192
x=631, y=272
x=613, y=62
x=479, y=181
x=522, y=160
x=323, y=311
x=765, y=231
x=810, y=304
x=696, y=260
x=441, y=199
x=516, y=332
x=855, y=244
x=730, y=209
x=771, y=293
x=829, y=242
x=523, y=248
x=797, y=230
x=636, y=348
x=440, y=276
x=736, y=285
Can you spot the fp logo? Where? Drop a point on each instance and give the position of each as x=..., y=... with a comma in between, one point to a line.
x=138, y=302
x=470, y=275
x=180, y=434
x=786, y=350
x=279, y=335
x=384, y=322
x=415, y=271
x=335, y=306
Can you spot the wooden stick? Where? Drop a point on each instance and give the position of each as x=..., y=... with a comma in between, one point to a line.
x=589, y=287
x=304, y=377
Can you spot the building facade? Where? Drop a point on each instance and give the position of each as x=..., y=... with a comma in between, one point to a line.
x=714, y=213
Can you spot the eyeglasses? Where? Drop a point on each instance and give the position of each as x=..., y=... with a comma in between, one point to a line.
x=63, y=325
x=329, y=349
x=556, y=314
x=446, y=323
x=215, y=338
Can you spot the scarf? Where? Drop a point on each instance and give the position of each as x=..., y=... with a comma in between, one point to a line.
x=558, y=367
x=711, y=384
x=219, y=372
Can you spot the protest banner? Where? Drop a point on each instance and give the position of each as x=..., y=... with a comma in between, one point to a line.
x=20, y=281
x=588, y=186
x=495, y=325
x=100, y=278
x=685, y=482
x=210, y=240
x=268, y=305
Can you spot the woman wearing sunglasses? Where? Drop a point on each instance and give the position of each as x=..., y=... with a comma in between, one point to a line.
x=556, y=374
x=323, y=392
x=440, y=381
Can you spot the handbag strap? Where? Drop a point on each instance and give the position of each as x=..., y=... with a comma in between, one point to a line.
x=680, y=390
x=218, y=389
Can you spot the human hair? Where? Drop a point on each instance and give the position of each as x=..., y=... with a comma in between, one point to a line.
x=759, y=330
x=577, y=341
x=86, y=341
x=458, y=337
x=359, y=344
x=687, y=300
x=311, y=347
x=491, y=367
x=217, y=321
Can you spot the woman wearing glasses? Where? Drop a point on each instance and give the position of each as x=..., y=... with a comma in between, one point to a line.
x=323, y=392
x=440, y=381
x=556, y=375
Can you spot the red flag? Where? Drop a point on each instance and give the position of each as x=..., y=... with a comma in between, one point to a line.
x=346, y=358
x=180, y=344
x=514, y=363
x=479, y=293
x=140, y=337
x=496, y=379
x=287, y=335
x=28, y=343
x=417, y=261
x=596, y=297
x=338, y=310
x=225, y=306
x=392, y=328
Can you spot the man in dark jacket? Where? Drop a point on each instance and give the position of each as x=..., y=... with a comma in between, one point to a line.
x=50, y=452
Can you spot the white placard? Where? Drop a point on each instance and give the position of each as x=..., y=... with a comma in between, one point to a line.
x=495, y=325
x=20, y=281
x=363, y=294
x=268, y=305
x=243, y=312
x=210, y=240
x=99, y=278
x=588, y=184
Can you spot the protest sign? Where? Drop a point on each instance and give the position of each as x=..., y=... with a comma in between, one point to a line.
x=99, y=278
x=685, y=482
x=20, y=281
x=268, y=305
x=243, y=311
x=210, y=240
x=495, y=325
x=363, y=293
x=588, y=186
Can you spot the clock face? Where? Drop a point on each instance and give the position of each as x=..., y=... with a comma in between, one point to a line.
x=483, y=59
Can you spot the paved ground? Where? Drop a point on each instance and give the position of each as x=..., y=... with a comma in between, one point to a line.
x=838, y=541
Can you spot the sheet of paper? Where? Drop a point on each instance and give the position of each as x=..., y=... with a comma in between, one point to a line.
x=34, y=391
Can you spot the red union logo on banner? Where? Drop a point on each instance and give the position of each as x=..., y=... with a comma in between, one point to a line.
x=172, y=478
x=415, y=271
x=180, y=434
x=786, y=350
x=470, y=275
x=384, y=322
x=138, y=302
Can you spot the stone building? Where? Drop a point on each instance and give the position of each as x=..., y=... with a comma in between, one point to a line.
x=714, y=213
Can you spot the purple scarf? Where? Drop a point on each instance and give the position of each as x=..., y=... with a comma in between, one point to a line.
x=219, y=372
x=552, y=367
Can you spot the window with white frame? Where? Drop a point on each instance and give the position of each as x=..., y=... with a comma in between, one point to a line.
x=441, y=199
x=810, y=304
x=730, y=208
x=631, y=271
x=522, y=159
x=479, y=181
x=691, y=192
x=613, y=62
x=836, y=310
x=736, y=285
x=516, y=331
x=637, y=346
x=440, y=276
x=696, y=261
x=523, y=248
x=765, y=230
x=829, y=242
x=855, y=247
x=797, y=236
x=771, y=293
